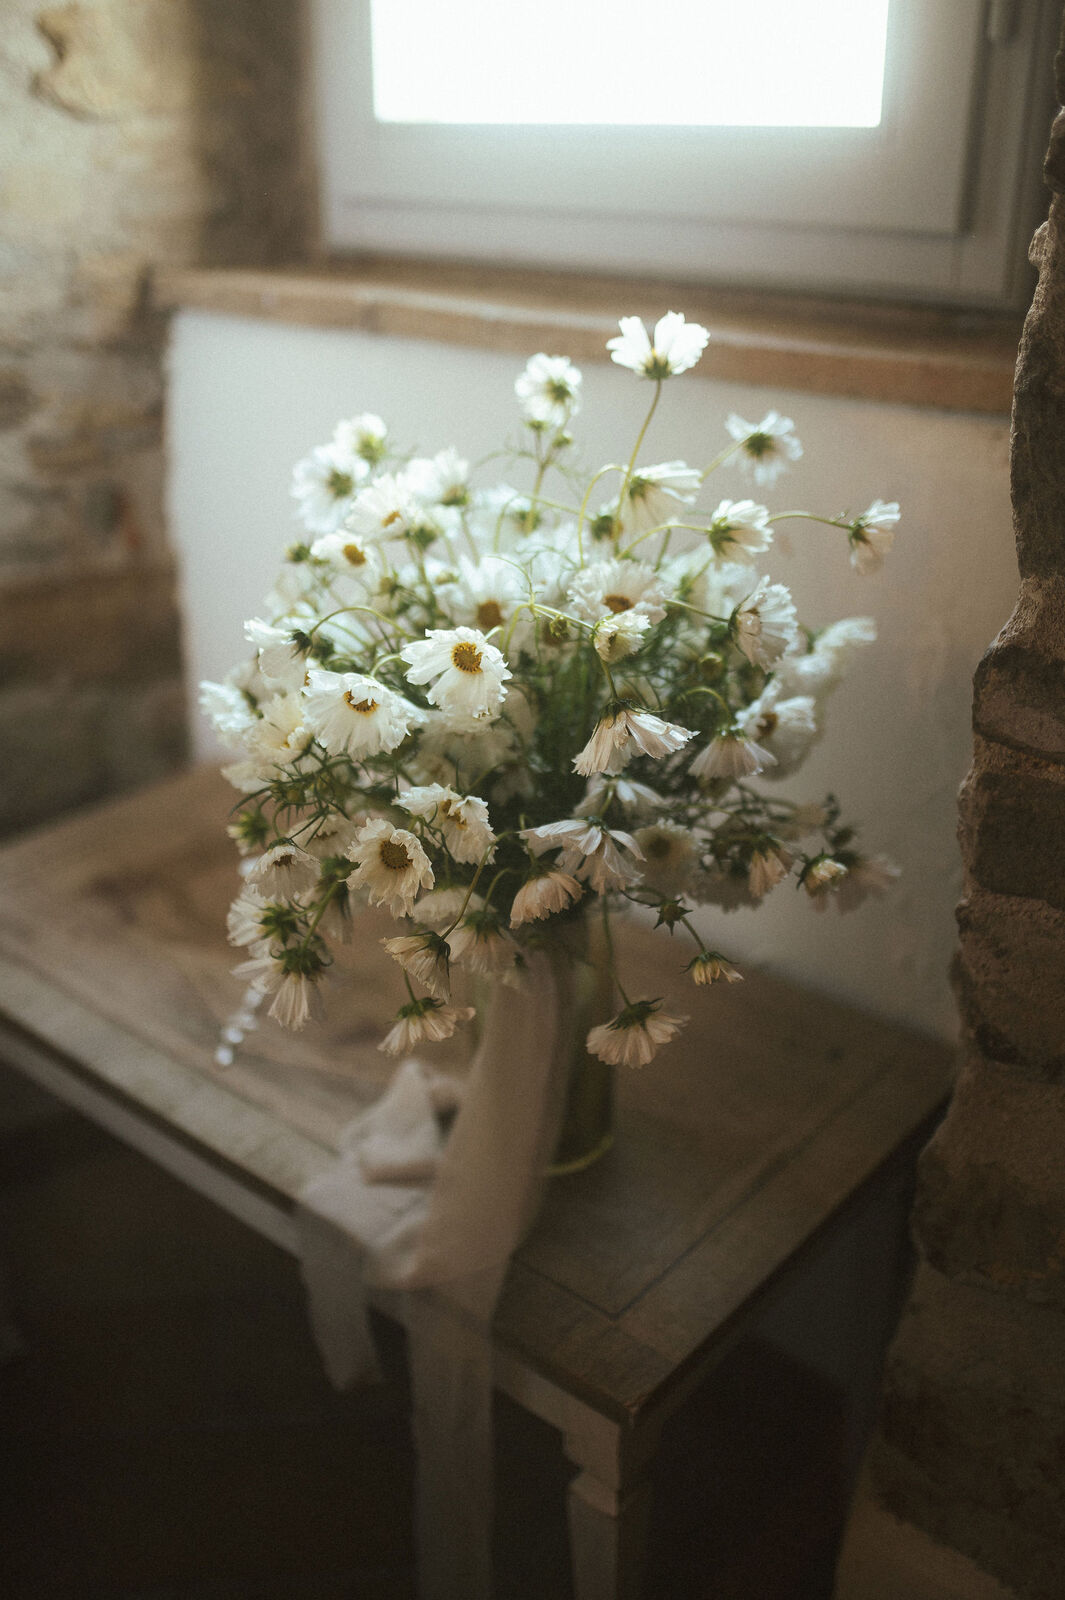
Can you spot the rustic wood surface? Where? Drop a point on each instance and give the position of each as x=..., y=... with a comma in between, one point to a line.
x=733, y=1149
x=925, y=356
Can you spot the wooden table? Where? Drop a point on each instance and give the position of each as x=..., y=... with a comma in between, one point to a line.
x=738, y=1152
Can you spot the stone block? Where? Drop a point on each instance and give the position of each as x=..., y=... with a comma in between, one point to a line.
x=972, y=1441
x=118, y=58
x=990, y=1205
x=17, y=400
x=1010, y=981
x=109, y=290
x=104, y=627
x=1038, y=483
x=1012, y=811
x=1020, y=683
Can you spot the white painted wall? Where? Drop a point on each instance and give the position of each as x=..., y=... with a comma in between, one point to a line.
x=248, y=398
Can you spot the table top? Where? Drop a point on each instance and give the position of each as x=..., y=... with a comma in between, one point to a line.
x=734, y=1149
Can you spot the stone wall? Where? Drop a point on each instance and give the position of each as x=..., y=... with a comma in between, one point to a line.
x=132, y=132
x=972, y=1444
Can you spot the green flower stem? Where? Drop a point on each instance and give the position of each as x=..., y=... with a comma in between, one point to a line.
x=807, y=516
x=631, y=468
x=583, y=512
x=719, y=460
x=469, y=892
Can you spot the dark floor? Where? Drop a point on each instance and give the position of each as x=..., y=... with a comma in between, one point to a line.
x=169, y=1435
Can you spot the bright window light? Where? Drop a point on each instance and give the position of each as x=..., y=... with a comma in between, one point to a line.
x=692, y=63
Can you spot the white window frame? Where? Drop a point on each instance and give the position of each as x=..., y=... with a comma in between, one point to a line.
x=934, y=204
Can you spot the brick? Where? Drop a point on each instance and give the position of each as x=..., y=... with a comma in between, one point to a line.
x=1013, y=822
x=135, y=632
x=972, y=1439
x=1010, y=981
x=17, y=400
x=990, y=1203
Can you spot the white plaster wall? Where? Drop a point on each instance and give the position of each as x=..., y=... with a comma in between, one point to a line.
x=248, y=398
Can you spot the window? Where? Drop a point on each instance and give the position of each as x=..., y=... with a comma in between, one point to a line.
x=891, y=147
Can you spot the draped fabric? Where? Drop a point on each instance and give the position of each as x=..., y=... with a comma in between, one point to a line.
x=437, y=1215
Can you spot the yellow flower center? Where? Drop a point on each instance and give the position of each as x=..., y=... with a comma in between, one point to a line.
x=354, y=556
x=394, y=855
x=617, y=602
x=393, y=516
x=489, y=615
x=466, y=657
x=364, y=707
x=766, y=723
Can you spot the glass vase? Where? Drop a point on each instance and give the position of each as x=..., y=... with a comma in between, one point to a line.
x=576, y=956
x=584, y=997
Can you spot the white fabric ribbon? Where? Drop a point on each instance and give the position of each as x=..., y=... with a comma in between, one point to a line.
x=439, y=1217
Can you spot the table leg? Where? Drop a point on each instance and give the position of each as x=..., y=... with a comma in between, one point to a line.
x=609, y=1507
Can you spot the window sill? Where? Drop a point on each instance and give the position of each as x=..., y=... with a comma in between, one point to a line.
x=949, y=360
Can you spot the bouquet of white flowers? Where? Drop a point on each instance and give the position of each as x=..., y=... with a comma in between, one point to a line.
x=491, y=709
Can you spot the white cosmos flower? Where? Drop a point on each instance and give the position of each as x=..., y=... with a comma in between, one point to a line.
x=637, y=799
x=820, y=878
x=391, y=865
x=228, y=708
x=740, y=528
x=385, y=509
x=677, y=345
x=291, y=976
x=818, y=670
x=426, y=1019
x=670, y=856
x=485, y=592
x=324, y=485
x=620, y=635
x=462, y=819
x=356, y=716
x=331, y=836
x=731, y=756
x=610, y=587
x=426, y=957
x=636, y=1034
x=541, y=896
x=480, y=944
x=279, y=736
x=549, y=391
x=656, y=494
x=352, y=557
x=439, y=909
x=872, y=535
x=603, y=857
x=254, y=920
x=766, y=869
x=442, y=481
x=469, y=672
x=622, y=734
x=764, y=624
x=710, y=966
x=282, y=655
x=766, y=446
x=284, y=872
x=785, y=727
x=865, y=876
x=364, y=436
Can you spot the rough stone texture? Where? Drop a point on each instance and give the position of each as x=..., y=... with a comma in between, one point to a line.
x=972, y=1441
x=135, y=133
x=1020, y=683
x=1007, y=1017
x=991, y=1200
x=971, y=1447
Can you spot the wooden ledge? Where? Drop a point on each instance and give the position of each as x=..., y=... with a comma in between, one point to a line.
x=955, y=361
